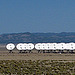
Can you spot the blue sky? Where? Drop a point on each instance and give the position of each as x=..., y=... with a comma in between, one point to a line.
x=37, y=16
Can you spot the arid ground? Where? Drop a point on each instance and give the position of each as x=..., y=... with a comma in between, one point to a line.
x=5, y=55
x=35, y=63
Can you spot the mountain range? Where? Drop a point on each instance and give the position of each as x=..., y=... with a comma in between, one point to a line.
x=28, y=37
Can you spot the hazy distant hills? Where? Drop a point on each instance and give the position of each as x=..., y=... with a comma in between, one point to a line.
x=37, y=37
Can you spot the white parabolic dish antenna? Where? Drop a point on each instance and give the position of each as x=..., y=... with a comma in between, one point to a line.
x=19, y=46
x=38, y=46
x=10, y=46
x=30, y=46
x=24, y=46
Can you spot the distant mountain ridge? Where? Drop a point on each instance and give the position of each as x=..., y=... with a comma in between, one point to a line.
x=28, y=37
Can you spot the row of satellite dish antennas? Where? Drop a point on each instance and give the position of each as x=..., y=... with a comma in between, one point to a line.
x=41, y=46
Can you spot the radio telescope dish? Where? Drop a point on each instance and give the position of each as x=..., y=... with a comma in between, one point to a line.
x=70, y=46
x=38, y=46
x=48, y=47
x=43, y=46
x=30, y=46
x=10, y=46
x=19, y=46
x=61, y=46
x=24, y=46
